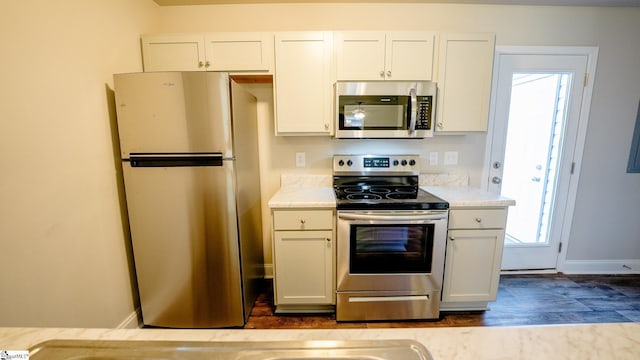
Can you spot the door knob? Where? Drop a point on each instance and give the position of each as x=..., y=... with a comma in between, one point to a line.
x=496, y=180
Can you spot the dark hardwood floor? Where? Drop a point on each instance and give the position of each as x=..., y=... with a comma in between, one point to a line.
x=522, y=300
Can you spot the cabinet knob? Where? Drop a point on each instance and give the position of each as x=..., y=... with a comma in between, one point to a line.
x=452, y=238
x=439, y=125
x=206, y=64
x=200, y=64
x=326, y=126
x=478, y=220
x=382, y=74
x=328, y=240
x=389, y=73
x=303, y=221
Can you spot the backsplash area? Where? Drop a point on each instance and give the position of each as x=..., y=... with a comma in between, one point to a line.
x=312, y=180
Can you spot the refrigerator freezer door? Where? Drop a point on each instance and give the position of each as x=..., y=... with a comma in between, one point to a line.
x=173, y=112
x=185, y=244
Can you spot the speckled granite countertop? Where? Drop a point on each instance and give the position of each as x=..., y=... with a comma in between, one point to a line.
x=323, y=196
x=599, y=341
x=300, y=197
x=466, y=196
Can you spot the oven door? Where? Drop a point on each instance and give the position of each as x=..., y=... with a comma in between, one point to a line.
x=390, y=250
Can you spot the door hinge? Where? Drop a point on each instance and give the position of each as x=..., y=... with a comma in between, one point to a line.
x=573, y=167
x=586, y=79
x=559, y=247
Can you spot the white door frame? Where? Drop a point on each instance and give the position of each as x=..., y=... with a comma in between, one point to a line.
x=592, y=56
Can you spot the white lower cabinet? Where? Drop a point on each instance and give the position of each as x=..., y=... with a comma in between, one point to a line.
x=475, y=241
x=303, y=260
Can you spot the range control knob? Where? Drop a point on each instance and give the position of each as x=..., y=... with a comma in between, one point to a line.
x=404, y=163
x=395, y=162
x=341, y=163
x=349, y=162
x=412, y=162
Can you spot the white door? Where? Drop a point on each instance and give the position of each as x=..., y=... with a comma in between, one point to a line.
x=539, y=113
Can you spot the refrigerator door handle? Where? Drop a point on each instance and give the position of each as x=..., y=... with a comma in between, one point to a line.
x=176, y=160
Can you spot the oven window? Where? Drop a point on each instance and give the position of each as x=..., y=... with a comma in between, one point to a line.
x=391, y=248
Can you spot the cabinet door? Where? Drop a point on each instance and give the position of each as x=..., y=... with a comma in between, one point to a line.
x=464, y=82
x=179, y=52
x=409, y=55
x=302, y=83
x=239, y=51
x=303, y=267
x=472, y=266
x=360, y=55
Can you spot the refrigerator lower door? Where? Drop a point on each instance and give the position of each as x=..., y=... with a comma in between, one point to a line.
x=182, y=214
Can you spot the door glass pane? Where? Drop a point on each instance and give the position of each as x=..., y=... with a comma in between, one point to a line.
x=534, y=137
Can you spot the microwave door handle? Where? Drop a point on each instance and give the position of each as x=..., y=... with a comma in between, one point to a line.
x=414, y=110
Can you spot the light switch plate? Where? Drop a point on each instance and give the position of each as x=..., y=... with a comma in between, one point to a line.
x=433, y=158
x=300, y=159
x=451, y=158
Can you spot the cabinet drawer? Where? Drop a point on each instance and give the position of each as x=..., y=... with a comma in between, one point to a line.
x=477, y=218
x=302, y=219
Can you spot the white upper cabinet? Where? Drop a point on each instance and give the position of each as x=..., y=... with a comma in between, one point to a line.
x=464, y=81
x=373, y=55
x=173, y=52
x=208, y=52
x=303, y=83
x=239, y=51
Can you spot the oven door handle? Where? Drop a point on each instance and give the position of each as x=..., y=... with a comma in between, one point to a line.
x=350, y=216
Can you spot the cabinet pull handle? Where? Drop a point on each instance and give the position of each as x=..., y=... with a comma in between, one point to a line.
x=478, y=220
x=328, y=240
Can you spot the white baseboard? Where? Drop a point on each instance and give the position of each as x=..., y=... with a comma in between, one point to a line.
x=601, y=267
x=132, y=321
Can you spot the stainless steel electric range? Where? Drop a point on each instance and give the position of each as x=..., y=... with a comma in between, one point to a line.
x=390, y=239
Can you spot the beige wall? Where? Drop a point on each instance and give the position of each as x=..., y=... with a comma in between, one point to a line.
x=63, y=245
x=63, y=253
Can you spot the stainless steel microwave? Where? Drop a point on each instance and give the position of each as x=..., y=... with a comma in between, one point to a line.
x=385, y=109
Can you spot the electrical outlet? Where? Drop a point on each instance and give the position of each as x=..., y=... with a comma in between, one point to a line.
x=433, y=158
x=300, y=159
x=451, y=158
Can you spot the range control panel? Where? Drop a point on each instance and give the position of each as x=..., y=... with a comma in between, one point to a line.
x=376, y=163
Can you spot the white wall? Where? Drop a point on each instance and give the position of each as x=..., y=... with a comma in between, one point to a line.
x=63, y=249
x=611, y=235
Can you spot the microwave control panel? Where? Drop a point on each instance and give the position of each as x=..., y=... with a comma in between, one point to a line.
x=423, y=122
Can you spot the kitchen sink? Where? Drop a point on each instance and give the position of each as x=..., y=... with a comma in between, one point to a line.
x=244, y=350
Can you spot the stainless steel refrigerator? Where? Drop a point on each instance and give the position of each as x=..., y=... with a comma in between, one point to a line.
x=189, y=153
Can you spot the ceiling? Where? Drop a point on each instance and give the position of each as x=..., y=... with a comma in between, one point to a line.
x=507, y=2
